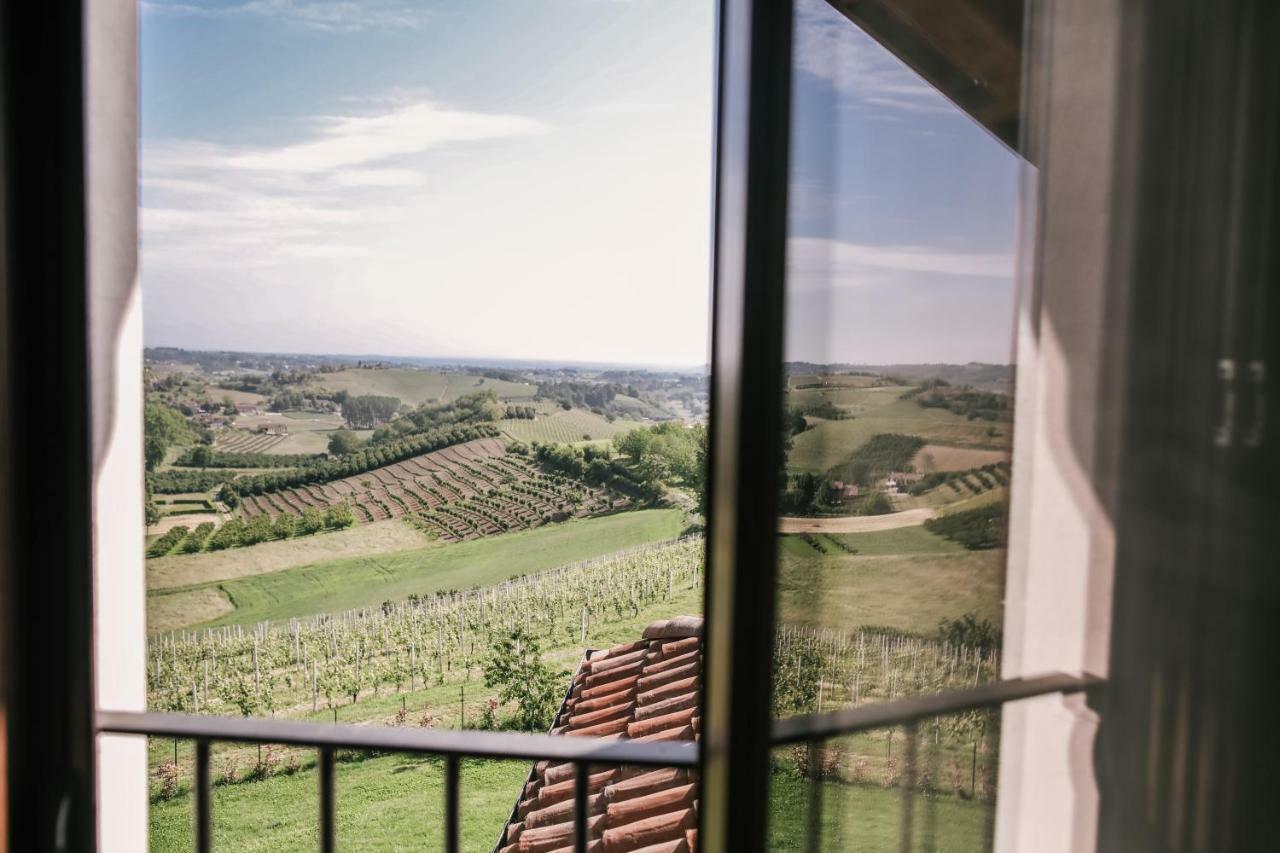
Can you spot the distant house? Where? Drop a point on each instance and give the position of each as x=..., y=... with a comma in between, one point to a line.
x=274, y=429
x=900, y=480
x=841, y=491
x=211, y=420
x=246, y=409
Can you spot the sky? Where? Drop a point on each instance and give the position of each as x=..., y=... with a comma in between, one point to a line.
x=531, y=179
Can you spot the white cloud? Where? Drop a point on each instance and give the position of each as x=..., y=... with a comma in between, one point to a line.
x=832, y=48
x=341, y=16
x=356, y=140
x=211, y=205
x=821, y=263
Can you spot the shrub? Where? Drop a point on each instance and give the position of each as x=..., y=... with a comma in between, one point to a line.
x=969, y=631
x=795, y=681
x=166, y=543
x=976, y=529
x=339, y=516
x=515, y=666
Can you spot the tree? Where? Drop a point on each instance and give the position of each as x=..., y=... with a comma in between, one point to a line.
x=969, y=631
x=229, y=496
x=339, y=516
x=312, y=521
x=283, y=526
x=877, y=504
x=161, y=428
x=201, y=456
x=369, y=410
x=342, y=442
x=515, y=665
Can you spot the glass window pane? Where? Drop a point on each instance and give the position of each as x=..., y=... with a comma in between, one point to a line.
x=899, y=400
x=426, y=298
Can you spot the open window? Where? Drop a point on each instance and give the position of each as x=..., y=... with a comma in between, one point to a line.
x=983, y=542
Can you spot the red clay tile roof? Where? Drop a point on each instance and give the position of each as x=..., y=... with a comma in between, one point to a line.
x=649, y=690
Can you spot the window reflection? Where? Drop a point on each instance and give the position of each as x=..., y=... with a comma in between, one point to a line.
x=898, y=423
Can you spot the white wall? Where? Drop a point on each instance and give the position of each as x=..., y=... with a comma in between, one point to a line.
x=1070, y=325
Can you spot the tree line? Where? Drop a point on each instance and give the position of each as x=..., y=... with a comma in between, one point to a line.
x=362, y=460
x=367, y=411
x=206, y=457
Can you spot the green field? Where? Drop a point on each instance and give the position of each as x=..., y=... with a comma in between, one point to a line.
x=565, y=427
x=831, y=442
x=421, y=386
x=378, y=537
x=900, y=540
x=854, y=399
x=366, y=581
x=904, y=592
x=308, y=431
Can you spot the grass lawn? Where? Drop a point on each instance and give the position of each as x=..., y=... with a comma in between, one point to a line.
x=905, y=592
x=868, y=819
x=831, y=442
x=379, y=537
x=395, y=803
x=342, y=584
x=388, y=803
x=565, y=427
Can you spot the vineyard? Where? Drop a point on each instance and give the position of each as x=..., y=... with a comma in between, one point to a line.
x=464, y=491
x=242, y=441
x=331, y=660
x=339, y=659
x=431, y=651
x=565, y=427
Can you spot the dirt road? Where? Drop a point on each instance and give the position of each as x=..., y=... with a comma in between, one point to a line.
x=856, y=523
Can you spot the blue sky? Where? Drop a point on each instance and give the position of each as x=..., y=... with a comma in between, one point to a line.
x=531, y=179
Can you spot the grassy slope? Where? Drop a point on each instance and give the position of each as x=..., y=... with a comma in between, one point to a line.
x=337, y=585
x=565, y=427
x=420, y=386
x=380, y=537
x=906, y=592
x=937, y=457
x=901, y=540
x=831, y=442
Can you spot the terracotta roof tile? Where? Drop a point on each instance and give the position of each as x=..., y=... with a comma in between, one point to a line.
x=647, y=690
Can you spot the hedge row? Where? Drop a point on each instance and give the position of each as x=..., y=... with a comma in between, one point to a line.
x=203, y=457
x=363, y=460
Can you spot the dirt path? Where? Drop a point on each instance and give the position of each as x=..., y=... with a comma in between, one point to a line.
x=856, y=523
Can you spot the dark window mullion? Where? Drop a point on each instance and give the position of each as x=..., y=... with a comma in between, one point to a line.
x=752, y=134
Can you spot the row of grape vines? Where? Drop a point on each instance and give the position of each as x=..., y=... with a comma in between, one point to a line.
x=332, y=660
x=329, y=660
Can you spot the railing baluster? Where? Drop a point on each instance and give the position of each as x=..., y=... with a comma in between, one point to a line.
x=328, y=832
x=930, y=785
x=580, y=784
x=204, y=830
x=451, y=804
x=908, y=789
x=813, y=842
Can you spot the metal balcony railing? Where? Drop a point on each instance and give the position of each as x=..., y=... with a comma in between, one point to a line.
x=454, y=745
